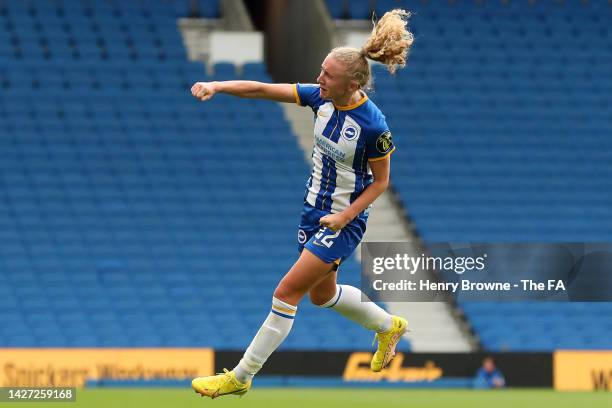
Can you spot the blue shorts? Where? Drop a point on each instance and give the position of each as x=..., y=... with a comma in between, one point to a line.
x=330, y=246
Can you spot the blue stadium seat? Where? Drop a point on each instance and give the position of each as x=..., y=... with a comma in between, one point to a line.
x=359, y=9
x=336, y=8
x=224, y=71
x=140, y=225
x=255, y=71
x=488, y=132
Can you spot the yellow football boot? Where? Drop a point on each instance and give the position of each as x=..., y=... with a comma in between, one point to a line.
x=221, y=384
x=387, y=342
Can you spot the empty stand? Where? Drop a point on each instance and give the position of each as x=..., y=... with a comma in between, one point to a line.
x=502, y=122
x=131, y=214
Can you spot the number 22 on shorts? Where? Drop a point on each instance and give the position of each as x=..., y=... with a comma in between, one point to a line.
x=326, y=239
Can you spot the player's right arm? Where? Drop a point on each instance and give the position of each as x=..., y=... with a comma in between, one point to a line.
x=244, y=89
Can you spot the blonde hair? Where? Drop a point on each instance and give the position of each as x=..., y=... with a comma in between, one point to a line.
x=388, y=43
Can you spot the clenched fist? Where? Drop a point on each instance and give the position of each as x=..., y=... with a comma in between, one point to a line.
x=203, y=90
x=335, y=222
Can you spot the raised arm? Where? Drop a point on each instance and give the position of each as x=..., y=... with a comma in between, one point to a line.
x=244, y=89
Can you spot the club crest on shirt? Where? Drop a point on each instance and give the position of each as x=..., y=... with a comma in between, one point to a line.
x=384, y=142
x=349, y=132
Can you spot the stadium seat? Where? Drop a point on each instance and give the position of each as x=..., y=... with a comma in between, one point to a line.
x=494, y=144
x=125, y=221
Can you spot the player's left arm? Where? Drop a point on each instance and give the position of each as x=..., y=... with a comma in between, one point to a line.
x=380, y=170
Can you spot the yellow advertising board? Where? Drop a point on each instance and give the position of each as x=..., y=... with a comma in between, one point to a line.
x=358, y=369
x=39, y=367
x=583, y=370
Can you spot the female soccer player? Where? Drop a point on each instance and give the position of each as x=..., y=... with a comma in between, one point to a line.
x=351, y=164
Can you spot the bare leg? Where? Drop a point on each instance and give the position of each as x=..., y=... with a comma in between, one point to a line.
x=307, y=271
x=325, y=289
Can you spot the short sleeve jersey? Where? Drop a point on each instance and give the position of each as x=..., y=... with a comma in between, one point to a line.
x=346, y=139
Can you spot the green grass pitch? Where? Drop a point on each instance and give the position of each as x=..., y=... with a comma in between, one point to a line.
x=336, y=398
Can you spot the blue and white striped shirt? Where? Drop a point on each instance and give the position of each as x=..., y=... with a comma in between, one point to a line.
x=347, y=138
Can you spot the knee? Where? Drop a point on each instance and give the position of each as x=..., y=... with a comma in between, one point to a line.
x=285, y=293
x=319, y=296
x=316, y=298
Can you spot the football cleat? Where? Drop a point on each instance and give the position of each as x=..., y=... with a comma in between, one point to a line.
x=387, y=342
x=221, y=384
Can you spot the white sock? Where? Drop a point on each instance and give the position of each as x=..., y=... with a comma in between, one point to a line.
x=347, y=302
x=271, y=334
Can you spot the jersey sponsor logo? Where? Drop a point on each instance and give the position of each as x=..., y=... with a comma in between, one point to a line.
x=301, y=236
x=349, y=132
x=384, y=142
x=328, y=149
